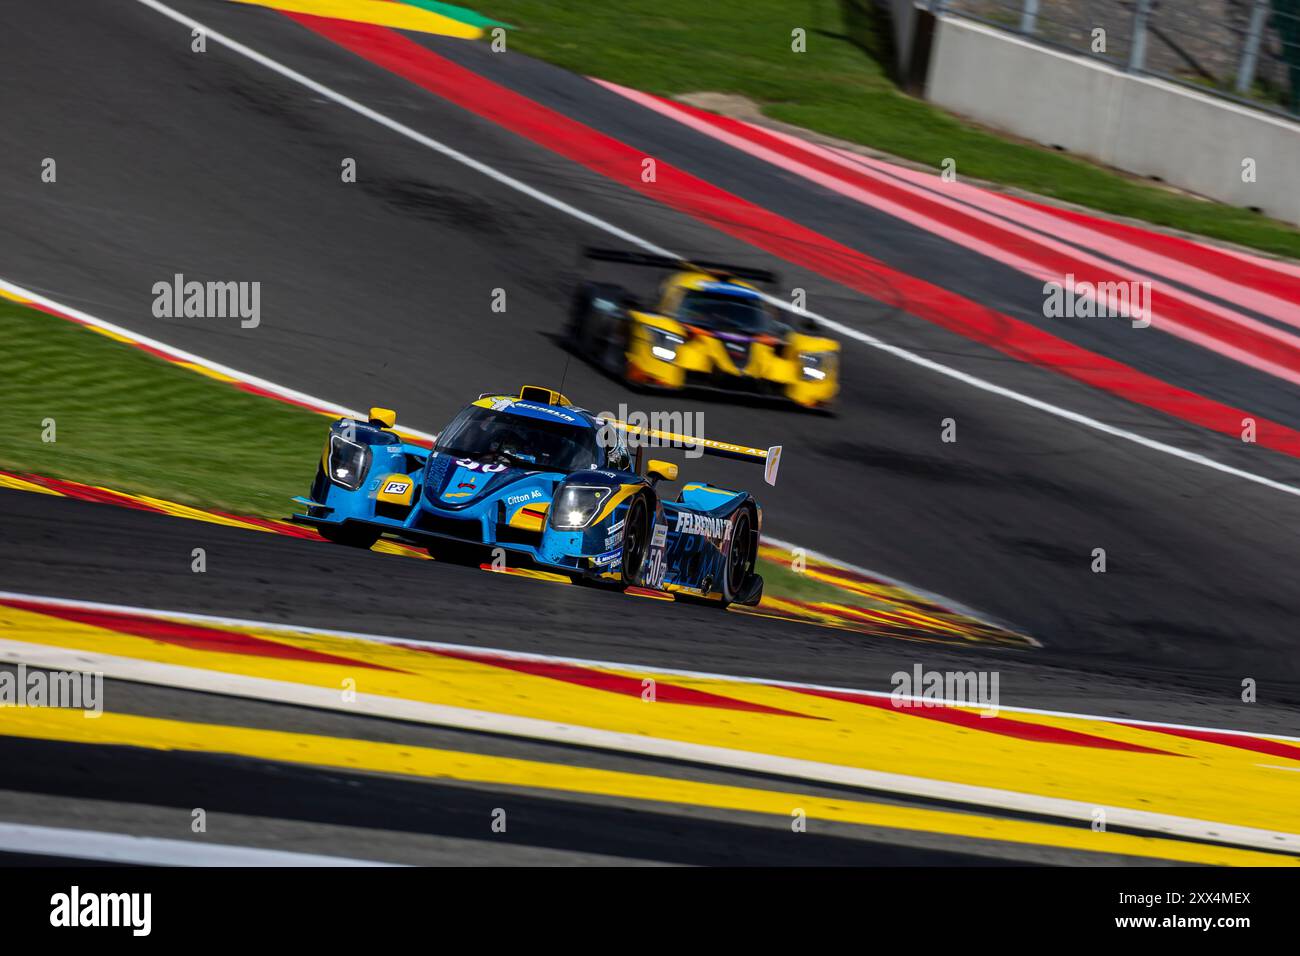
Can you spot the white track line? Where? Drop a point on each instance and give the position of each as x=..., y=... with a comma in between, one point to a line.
x=238, y=685
x=608, y=227
x=237, y=622
x=152, y=851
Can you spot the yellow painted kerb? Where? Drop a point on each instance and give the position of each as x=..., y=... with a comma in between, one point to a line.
x=422, y=762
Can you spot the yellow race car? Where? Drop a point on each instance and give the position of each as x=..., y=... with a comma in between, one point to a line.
x=710, y=328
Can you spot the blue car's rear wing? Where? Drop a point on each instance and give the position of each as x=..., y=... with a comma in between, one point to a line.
x=770, y=458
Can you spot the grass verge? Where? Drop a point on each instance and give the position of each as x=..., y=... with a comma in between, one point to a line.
x=743, y=46
x=126, y=420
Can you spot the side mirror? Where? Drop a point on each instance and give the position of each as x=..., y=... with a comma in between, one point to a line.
x=383, y=417
x=661, y=470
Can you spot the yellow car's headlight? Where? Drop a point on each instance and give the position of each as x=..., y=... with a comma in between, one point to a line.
x=663, y=344
x=818, y=366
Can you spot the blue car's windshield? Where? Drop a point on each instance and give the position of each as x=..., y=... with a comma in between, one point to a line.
x=503, y=438
x=725, y=313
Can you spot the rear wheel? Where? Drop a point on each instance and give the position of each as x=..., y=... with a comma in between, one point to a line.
x=739, y=564
x=351, y=535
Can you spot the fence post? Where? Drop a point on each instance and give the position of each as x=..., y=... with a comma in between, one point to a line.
x=1029, y=16
x=1137, y=54
x=1250, y=49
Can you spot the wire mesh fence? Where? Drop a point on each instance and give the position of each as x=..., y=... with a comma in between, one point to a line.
x=1247, y=50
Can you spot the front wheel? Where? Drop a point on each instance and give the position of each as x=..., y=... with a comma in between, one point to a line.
x=636, y=538
x=351, y=535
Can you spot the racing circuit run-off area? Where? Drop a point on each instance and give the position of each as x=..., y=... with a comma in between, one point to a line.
x=752, y=437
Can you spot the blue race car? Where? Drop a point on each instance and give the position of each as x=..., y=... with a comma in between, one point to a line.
x=550, y=485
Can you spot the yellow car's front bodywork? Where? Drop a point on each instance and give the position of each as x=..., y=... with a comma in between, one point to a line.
x=673, y=353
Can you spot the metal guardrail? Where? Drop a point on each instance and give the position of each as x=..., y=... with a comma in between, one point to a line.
x=1243, y=50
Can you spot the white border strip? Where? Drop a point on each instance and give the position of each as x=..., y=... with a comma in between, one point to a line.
x=238, y=685
x=152, y=851
x=221, y=621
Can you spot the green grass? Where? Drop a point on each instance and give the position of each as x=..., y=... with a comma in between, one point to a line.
x=743, y=46
x=781, y=581
x=129, y=421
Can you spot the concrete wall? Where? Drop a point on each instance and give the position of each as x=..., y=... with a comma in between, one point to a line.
x=1134, y=123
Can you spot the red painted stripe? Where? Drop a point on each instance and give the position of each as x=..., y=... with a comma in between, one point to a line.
x=1262, y=341
x=82, y=492
x=781, y=237
x=194, y=636
x=1262, y=745
x=74, y=489
x=1221, y=281
x=279, y=527
x=266, y=393
x=664, y=692
x=1250, y=271
x=1006, y=726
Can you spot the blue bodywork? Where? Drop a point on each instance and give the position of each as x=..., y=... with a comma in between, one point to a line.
x=527, y=455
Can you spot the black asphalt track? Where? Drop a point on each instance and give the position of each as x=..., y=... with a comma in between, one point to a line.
x=379, y=292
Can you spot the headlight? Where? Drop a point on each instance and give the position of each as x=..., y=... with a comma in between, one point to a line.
x=817, y=365
x=348, y=462
x=663, y=345
x=576, y=505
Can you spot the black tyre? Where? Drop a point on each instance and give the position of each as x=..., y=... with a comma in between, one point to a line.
x=351, y=535
x=579, y=311
x=636, y=540
x=600, y=338
x=740, y=558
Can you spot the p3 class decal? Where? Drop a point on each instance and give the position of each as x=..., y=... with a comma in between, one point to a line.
x=469, y=464
x=396, y=487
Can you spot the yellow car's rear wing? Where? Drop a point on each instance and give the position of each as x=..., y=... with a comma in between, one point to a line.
x=651, y=437
x=717, y=269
